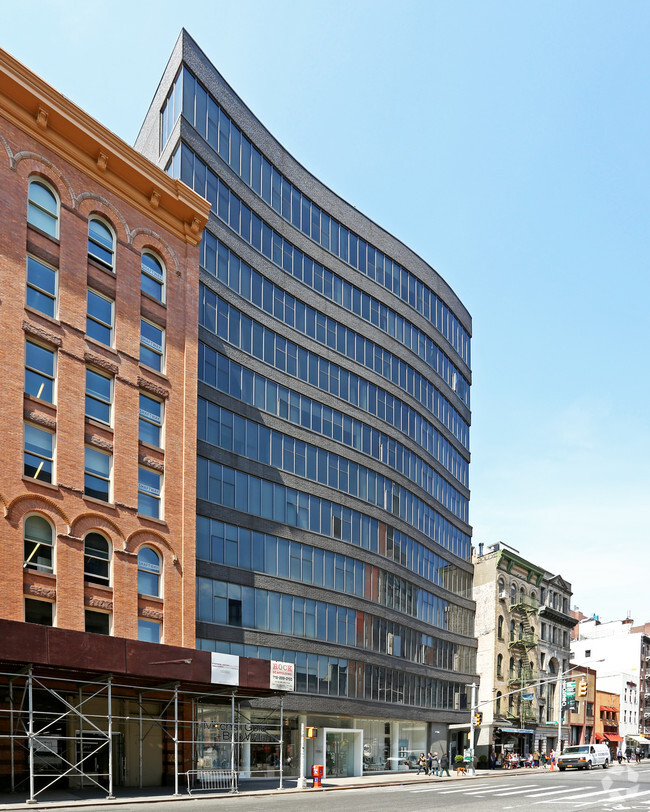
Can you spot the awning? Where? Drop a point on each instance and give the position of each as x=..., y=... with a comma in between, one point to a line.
x=608, y=708
x=612, y=737
x=639, y=739
x=599, y=738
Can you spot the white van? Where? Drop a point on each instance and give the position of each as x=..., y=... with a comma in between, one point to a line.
x=584, y=756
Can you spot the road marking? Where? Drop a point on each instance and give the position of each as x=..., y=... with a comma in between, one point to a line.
x=500, y=788
x=520, y=791
x=577, y=799
x=556, y=791
x=467, y=790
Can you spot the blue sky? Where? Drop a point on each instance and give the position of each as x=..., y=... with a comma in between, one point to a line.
x=506, y=143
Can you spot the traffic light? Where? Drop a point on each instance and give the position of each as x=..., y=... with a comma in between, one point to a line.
x=478, y=718
x=497, y=735
x=311, y=732
x=582, y=688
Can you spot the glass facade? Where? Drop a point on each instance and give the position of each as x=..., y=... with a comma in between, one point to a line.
x=333, y=444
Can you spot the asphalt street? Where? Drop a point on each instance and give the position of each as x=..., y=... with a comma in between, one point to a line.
x=613, y=790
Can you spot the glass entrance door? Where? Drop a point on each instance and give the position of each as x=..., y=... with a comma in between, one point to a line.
x=339, y=754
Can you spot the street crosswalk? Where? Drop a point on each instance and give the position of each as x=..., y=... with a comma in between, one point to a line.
x=601, y=794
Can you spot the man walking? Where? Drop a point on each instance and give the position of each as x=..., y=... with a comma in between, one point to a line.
x=444, y=765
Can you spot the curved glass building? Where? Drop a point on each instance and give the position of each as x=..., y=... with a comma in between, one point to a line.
x=333, y=440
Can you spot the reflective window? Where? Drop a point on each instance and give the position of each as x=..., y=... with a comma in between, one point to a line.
x=41, y=287
x=97, y=558
x=38, y=544
x=152, y=345
x=39, y=371
x=149, y=492
x=150, y=420
x=148, y=572
x=149, y=631
x=43, y=208
x=171, y=109
x=101, y=243
x=99, y=320
x=39, y=454
x=152, y=276
x=97, y=474
x=99, y=396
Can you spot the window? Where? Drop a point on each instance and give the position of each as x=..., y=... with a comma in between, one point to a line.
x=500, y=627
x=149, y=488
x=40, y=612
x=97, y=474
x=41, y=287
x=513, y=593
x=587, y=652
x=37, y=544
x=148, y=631
x=99, y=396
x=97, y=559
x=498, y=704
x=152, y=345
x=152, y=276
x=97, y=622
x=500, y=665
x=148, y=572
x=39, y=371
x=101, y=243
x=512, y=631
x=38, y=458
x=99, y=321
x=43, y=208
x=151, y=418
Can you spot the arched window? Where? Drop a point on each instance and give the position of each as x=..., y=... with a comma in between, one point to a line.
x=501, y=586
x=522, y=595
x=513, y=593
x=499, y=665
x=500, y=627
x=521, y=631
x=497, y=709
x=43, y=208
x=511, y=668
x=101, y=242
x=97, y=559
x=152, y=276
x=148, y=572
x=38, y=544
x=512, y=631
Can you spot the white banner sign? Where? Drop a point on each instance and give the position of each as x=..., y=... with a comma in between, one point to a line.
x=225, y=669
x=282, y=676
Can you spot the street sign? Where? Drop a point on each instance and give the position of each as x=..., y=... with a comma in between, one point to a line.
x=528, y=696
x=570, y=689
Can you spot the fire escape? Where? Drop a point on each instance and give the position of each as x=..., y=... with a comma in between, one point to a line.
x=521, y=710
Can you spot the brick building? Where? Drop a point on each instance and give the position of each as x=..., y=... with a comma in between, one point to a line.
x=99, y=268
x=100, y=683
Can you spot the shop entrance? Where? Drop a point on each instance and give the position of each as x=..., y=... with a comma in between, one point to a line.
x=339, y=754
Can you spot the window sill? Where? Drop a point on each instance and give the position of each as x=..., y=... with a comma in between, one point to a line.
x=93, y=500
x=153, y=299
x=95, y=263
x=33, y=311
x=91, y=421
x=161, y=522
x=100, y=345
x=146, y=368
x=49, y=485
x=37, y=230
x=151, y=447
x=51, y=407
x=155, y=598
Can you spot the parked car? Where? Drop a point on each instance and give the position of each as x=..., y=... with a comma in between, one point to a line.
x=584, y=757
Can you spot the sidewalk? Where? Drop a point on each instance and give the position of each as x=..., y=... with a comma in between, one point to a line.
x=78, y=799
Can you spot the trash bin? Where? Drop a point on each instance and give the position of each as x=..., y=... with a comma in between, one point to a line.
x=317, y=774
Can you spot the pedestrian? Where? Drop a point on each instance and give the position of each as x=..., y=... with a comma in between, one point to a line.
x=628, y=754
x=493, y=759
x=435, y=765
x=422, y=764
x=551, y=758
x=444, y=765
x=428, y=763
x=542, y=759
x=619, y=756
x=536, y=758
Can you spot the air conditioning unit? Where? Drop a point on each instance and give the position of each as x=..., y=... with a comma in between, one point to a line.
x=503, y=596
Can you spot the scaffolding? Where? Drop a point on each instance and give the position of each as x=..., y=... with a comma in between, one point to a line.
x=87, y=731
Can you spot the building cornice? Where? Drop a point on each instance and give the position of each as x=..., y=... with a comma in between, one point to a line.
x=507, y=560
x=53, y=120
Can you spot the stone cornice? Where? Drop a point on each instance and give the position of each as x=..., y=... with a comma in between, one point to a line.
x=47, y=116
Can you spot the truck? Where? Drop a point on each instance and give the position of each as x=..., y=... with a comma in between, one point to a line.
x=584, y=757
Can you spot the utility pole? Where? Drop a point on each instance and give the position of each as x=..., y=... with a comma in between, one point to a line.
x=302, y=783
x=472, y=725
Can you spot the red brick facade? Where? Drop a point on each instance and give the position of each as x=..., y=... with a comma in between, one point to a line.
x=91, y=172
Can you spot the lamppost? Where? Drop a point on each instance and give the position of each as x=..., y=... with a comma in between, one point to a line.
x=560, y=679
